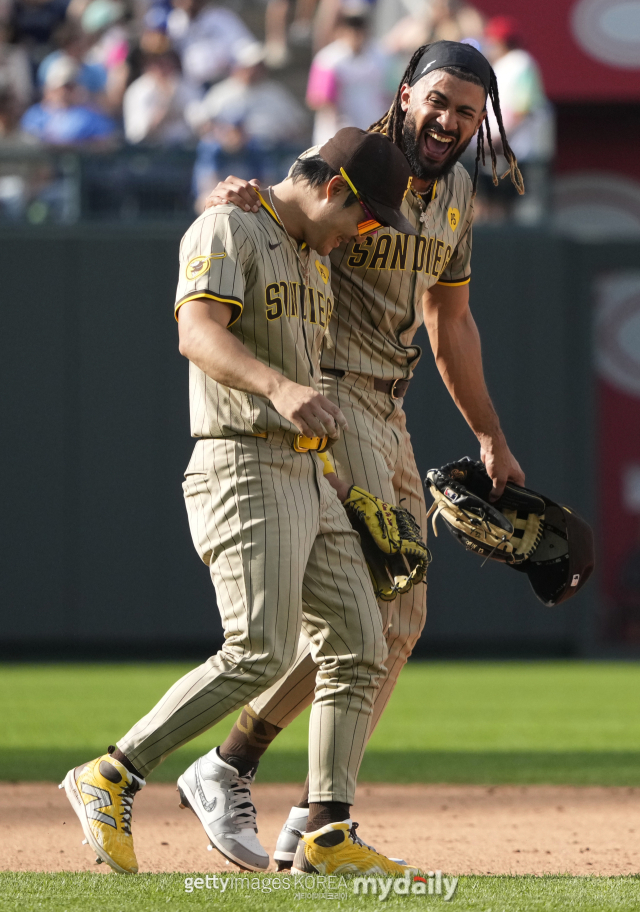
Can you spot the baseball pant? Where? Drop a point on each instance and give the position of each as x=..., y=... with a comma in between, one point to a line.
x=275, y=536
x=376, y=454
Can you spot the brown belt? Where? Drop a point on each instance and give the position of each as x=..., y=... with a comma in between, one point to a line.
x=395, y=388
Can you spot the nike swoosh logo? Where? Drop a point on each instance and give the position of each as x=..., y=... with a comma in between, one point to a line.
x=427, y=66
x=273, y=246
x=209, y=806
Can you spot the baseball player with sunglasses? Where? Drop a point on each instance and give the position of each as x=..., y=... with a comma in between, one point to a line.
x=385, y=286
x=253, y=304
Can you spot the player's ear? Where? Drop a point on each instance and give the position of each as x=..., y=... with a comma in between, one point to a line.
x=335, y=187
x=405, y=97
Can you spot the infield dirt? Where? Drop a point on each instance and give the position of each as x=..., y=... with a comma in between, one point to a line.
x=456, y=829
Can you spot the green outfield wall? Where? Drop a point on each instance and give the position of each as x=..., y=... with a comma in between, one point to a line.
x=96, y=556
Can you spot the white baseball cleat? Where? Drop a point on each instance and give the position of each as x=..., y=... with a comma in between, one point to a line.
x=289, y=837
x=221, y=800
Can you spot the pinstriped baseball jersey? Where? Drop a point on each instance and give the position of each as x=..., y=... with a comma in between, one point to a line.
x=247, y=261
x=378, y=282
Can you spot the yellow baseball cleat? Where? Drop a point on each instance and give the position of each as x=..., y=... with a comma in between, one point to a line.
x=101, y=793
x=335, y=849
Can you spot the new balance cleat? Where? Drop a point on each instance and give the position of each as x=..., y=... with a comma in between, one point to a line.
x=336, y=849
x=101, y=793
x=289, y=837
x=221, y=800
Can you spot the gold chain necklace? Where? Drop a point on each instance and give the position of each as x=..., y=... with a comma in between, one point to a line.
x=303, y=266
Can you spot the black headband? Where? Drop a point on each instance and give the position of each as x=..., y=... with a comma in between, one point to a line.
x=453, y=53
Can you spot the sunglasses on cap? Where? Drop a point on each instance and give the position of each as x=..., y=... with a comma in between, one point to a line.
x=370, y=224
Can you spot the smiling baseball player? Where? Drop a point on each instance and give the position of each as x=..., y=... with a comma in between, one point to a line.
x=253, y=303
x=385, y=286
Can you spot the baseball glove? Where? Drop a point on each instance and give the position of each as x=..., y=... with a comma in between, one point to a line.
x=391, y=541
x=507, y=530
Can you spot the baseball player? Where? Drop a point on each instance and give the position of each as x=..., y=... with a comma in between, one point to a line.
x=385, y=286
x=253, y=303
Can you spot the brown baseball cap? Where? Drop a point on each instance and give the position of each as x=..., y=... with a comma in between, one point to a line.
x=375, y=169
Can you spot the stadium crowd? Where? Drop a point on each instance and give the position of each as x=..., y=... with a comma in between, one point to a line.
x=243, y=87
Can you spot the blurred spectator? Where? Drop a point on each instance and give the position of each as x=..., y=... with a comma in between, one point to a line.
x=438, y=20
x=207, y=38
x=155, y=104
x=247, y=114
x=32, y=24
x=12, y=183
x=275, y=25
x=154, y=38
x=350, y=79
x=60, y=120
x=73, y=42
x=15, y=71
x=10, y=112
x=526, y=112
x=105, y=22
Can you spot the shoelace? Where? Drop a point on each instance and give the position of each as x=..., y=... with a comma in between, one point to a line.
x=126, y=796
x=240, y=804
x=356, y=839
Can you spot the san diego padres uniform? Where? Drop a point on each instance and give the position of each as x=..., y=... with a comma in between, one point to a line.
x=264, y=519
x=378, y=283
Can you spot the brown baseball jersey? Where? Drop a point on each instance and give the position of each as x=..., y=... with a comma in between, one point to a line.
x=378, y=282
x=248, y=262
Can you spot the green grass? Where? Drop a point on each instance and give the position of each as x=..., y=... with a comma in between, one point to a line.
x=166, y=893
x=511, y=722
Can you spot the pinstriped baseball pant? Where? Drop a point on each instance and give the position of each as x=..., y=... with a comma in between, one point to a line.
x=275, y=536
x=376, y=454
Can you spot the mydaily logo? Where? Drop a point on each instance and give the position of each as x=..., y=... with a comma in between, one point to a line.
x=431, y=885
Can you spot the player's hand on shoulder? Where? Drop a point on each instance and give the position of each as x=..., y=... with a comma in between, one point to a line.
x=241, y=193
x=500, y=463
x=312, y=413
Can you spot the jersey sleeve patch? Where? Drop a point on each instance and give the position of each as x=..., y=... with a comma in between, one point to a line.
x=197, y=266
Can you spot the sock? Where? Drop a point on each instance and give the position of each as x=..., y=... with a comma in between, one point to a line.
x=304, y=801
x=247, y=741
x=324, y=812
x=243, y=766
x=117, y=754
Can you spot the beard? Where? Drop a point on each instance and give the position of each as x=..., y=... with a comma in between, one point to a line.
x=421, y=167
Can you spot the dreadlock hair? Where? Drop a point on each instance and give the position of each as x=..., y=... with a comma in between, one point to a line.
x=392, y=123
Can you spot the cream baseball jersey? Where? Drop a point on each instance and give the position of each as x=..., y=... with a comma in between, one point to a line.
x=247, y=261
x=378, y=282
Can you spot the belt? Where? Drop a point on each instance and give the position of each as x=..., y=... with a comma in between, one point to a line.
x=395, y=388
x=300, y=444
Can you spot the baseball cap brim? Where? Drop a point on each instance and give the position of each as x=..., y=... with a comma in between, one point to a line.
x=389, y=217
